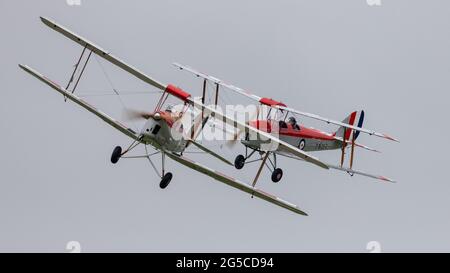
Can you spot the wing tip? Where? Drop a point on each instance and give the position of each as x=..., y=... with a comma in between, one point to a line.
x=391, y=138
x=298, y=211
x=26, y=68
x=48, y=22
x=387, y=179
x=303, y=213
x=45, y=20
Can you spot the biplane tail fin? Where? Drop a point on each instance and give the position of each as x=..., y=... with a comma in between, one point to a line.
x=355, y=119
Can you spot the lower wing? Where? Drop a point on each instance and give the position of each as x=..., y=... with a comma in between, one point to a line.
x=352, y=172
x=193, y=165
x=235, y=183
x=347, y=170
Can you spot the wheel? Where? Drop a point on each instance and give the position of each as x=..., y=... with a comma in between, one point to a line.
x=239, y=162
x=277, y=175
x=117, y=152
x=165, y=180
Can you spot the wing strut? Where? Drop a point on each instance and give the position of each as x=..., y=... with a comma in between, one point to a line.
x=353, y=149
x=74, y=71
x=260, y=168
x=77, y=65
x=82, y=71
x=217, y=95
x=203, y=97
x=344, y=144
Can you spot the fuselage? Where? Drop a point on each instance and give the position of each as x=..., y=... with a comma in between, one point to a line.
x=302, y=137
x=161, y=132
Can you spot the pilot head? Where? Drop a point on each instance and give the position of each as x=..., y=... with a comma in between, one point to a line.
x=292, y=121
x=169, y=108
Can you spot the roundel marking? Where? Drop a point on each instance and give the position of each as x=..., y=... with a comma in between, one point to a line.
x=301, y=144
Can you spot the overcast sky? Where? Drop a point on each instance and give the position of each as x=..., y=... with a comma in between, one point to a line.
x=328, y=57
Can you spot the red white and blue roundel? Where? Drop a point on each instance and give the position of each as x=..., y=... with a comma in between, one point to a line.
x=301, y=144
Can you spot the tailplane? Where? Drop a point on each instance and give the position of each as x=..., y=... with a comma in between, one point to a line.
x=355, y=119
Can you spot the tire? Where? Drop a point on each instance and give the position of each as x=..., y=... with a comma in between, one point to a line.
x=165, y=180
x=115, y=156
x=277, y=175
x=239, y=162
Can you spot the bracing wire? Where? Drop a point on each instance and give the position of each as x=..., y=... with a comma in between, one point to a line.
x=116, y=92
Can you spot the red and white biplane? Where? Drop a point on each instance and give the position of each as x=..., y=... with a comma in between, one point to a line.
x=281, y=120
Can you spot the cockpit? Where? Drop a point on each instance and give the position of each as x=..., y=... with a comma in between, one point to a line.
x=291, y=121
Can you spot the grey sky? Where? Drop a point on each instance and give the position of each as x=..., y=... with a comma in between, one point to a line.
x=327, y=57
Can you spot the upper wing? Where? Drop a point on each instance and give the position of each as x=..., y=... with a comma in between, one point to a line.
x=278, y=105
x=236, y=184
x=102, y=53
x=114, y=123
x=218, y=81
x=243, y=127
x=346, y=125
x=170, y=89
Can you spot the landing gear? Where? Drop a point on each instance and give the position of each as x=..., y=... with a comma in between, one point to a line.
x=165, y=177
x=165, y=180
x=277, y=174
x=115, y=156
x=267, y=161
x=117, y=152
x=239, y=162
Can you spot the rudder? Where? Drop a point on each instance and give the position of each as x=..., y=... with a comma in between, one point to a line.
x=351, y=120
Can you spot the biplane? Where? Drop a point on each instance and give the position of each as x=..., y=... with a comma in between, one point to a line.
x=165, y=132
x=283, y=121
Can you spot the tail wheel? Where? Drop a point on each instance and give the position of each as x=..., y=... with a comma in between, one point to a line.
x=115, y=156
x=277, y=175
x=239, y=162
x=165, y=180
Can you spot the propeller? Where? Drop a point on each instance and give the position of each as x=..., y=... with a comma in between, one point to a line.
x=132, y=114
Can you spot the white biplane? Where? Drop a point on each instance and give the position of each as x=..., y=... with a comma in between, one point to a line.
x=163, y=129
